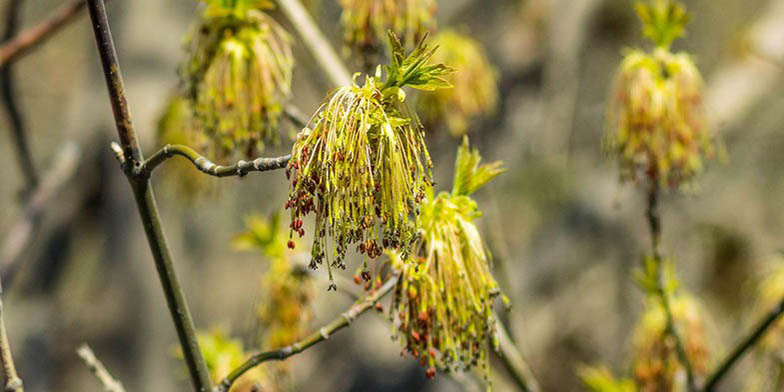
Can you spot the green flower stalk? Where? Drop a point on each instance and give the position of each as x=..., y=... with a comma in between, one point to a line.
x=475, y=92
x=656, y=364
x=238, y=74
x=657, y=122
x=366, y=22
x=363, y=167
x=443, y=304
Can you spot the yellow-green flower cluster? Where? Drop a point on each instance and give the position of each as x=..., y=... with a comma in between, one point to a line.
x=771, y=291
x=363, y=166
x=238, y=74
x=443, y=305
x=366, y=22
x=600, y=379
x=657, y=123
x=475, y=92
x=656, y=364
x=223, y=354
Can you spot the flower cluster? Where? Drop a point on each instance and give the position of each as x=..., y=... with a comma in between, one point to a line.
x=657, y=122
x=443, y=304
x=238, y=74
x=363, y=167
x=366, y=22
x=656, y=364
x=475, y=92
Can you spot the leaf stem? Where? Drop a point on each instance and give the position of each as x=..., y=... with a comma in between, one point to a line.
x=145, y=200
x=654, y=223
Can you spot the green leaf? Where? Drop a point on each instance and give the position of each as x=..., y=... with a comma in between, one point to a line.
x=663, y=20
x=469, y=174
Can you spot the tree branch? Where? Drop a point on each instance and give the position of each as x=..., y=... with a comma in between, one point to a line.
x=8, y=95
x=744, y=345
x=206, y=166
x=26, y=40
x=654, y=223
x=314, y=40
x=514, y=362
x=12, y=381
x=323, y=334
x=109, y=383
x=145, y=201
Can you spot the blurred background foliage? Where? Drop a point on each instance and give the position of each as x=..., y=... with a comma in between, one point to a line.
x=565, y=234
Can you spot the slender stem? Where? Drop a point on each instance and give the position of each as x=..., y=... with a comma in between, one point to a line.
x=654, y=223
x=206, y=166
x=8, y=95
x=315, y=41
x=744, y=345
x=12, y=381
x=145, y=201
x=321, y=335
x=109, y=383
x=26, y=40
x=514, y=362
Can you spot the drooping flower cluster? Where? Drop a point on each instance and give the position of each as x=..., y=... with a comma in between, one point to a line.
x=363, y=167
x=657, y=123
x=237, y=75
x=443, y=305
x=656, y=363
x=475, y=91
x=366, y=22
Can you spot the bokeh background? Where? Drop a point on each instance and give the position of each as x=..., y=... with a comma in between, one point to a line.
x=565, y=234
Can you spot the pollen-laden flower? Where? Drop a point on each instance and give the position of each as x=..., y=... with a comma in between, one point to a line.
x=366, y=22
x=443, y=305
x=238, y=75
x=363, y=166
x=656, y=363
x=656, y=118
x=475, y=91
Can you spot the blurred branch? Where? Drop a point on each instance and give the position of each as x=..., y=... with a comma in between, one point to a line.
x=317, y=44
x=12, y=381
x=110, y=384
x=295, y=116
x=145, y=200
x=7, y=92
x=60, y=172
x=514, y=362
x=206, y=166
x=654, y=223
x=323, y=334
x=743, y=346
x=39, y=33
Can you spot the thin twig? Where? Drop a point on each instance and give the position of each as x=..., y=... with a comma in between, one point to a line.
x=8, y=95
x=12, y=381
x=12, y=50
x=654, y=223
x=60, y=172
x=145, y=201
x=109, y=383
x=321, y=335
x=206, y=166
x=514, y=362
x=744, y=345
x=314, y=40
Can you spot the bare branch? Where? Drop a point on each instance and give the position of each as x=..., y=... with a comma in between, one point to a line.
x=110, y=384
x=12, y=381
x=26, y=40
x=206, y=166
x=321, y=335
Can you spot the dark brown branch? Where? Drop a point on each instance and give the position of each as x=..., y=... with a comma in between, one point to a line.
x=145, y=201
x=8, y=95
x=26, y=40
x=321, y=335
x=744, y=345
x=206, y=166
